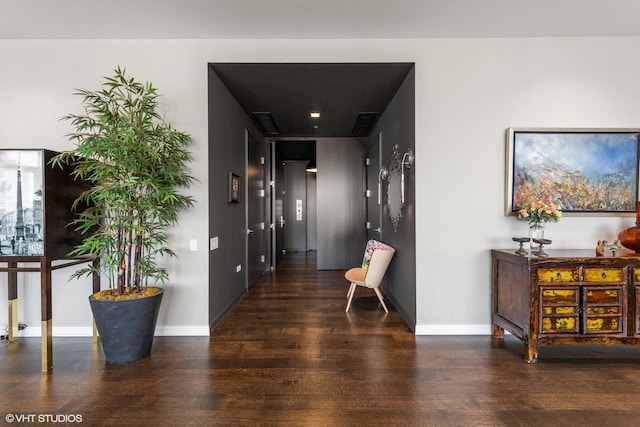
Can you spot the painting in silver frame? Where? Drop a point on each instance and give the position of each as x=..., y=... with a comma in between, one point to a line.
x=584, y=171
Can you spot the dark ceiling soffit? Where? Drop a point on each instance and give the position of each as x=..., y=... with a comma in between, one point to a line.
x=341, y=89
x=266, y=122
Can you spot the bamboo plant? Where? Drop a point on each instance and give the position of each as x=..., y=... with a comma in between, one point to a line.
x=137, y=165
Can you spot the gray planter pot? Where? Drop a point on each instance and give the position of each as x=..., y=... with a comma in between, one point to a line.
x=126, y=327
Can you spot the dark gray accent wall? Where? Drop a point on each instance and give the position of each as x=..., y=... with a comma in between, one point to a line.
x=227, y=221
x=340, y=192
x=397, y=125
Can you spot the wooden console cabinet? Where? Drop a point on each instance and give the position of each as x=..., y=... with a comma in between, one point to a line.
x=569, y=297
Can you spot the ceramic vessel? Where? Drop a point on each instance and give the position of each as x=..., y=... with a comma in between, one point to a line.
x=630, y=237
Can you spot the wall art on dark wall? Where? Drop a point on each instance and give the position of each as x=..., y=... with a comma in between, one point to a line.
x=233, y=192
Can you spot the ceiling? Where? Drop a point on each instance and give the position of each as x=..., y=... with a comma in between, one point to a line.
x=291, y=91
x=315, y=19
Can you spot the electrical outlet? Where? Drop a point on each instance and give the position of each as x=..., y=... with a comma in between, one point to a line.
x=193, y=245
x=238, y=268
x=213, y=243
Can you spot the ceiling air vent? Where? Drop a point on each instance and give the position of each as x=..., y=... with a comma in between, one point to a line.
x=363, y=124
x=266, y=122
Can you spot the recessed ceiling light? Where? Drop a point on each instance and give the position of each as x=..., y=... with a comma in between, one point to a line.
x=315, y=115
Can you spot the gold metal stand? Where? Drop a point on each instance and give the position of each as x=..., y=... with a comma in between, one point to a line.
x=45, y=268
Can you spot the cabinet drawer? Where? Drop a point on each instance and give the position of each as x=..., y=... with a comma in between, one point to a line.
x=555, y=275
x=604, y=275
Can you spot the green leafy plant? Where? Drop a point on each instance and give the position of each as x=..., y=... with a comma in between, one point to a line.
x=136, y=164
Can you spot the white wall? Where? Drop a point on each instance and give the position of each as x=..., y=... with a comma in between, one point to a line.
x=467, y=93
x=37, y=80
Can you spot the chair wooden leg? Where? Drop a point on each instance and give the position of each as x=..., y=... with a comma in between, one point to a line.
x=380, y=298
x=352, y=290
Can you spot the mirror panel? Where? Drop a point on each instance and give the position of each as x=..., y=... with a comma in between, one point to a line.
x=394, y=189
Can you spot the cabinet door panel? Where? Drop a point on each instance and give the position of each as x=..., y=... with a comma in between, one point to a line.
x=559, y=310
x=603, y=310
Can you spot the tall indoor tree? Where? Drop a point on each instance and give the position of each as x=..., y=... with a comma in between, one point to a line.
x=137, y=166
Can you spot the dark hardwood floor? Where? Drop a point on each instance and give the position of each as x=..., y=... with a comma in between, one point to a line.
x=289, y=355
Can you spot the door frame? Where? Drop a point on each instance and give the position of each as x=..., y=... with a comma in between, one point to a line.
x=265, y=201
x=373, y=177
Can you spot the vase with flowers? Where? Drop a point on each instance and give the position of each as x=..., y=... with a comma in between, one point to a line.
x=538, y=213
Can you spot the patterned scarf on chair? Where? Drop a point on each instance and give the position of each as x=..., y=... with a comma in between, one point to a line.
x=373, y=245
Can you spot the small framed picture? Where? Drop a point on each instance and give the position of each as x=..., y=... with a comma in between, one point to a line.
x=233, y=189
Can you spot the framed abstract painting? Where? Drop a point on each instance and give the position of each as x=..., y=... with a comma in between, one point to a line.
x=584, y=171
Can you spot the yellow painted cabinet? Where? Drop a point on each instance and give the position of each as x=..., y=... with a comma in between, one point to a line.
x=565, y=298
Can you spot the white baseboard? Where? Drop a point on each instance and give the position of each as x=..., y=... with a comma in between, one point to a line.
x=453, y=329
x=182, y=331
x=203, y=331
x=58, y=331
x=87, y=331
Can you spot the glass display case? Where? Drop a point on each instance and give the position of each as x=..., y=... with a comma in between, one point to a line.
x=35, y=205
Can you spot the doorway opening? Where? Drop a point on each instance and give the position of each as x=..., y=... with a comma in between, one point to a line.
x=356, y=102
x=294, y=200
